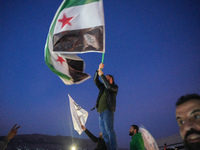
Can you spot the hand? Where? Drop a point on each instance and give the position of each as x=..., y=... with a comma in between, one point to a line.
x=12, y=132
x=100, y=72
x=101, y=66
x=83, y=127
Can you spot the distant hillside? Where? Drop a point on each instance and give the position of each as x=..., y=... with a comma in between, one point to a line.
x=48, y=142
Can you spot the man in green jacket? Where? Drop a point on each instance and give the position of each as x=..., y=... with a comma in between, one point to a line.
x=137, y=142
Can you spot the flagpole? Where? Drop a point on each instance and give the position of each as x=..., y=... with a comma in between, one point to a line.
x=79, y=119
x=102, y=58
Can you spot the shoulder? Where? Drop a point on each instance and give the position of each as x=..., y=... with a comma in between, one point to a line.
x=115, y=86
x=137, y=135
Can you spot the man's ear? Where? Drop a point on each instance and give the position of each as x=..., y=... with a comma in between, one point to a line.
x=135, y=131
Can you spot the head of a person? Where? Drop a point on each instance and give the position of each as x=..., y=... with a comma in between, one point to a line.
x=133, y=130
x=188, y=118
x=110, y=79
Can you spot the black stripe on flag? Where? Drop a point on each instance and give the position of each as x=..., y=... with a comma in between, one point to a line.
x=76, y=70
x=84, y=40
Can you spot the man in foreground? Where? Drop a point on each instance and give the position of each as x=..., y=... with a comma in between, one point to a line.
x=188, y=118
x=137, y=142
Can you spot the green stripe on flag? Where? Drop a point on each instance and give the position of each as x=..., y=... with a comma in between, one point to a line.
x=71, y=3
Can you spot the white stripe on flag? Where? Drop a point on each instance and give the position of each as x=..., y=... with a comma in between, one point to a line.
x=84, y=16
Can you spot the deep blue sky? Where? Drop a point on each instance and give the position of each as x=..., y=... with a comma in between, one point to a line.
x=152, y=49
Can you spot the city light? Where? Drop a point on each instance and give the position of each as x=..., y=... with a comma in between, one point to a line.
x=73, y=148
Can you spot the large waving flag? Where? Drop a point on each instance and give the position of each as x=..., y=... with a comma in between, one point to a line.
x=77, y=27
x=149, y=141
x=79, y=115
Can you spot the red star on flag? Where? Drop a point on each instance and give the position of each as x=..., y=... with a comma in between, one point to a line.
x=60, y=59
x=65, y=20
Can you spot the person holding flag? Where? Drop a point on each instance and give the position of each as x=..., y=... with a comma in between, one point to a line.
x=106, y=104
x=100, y=143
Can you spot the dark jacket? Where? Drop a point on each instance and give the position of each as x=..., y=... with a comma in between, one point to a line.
x=3, y=143
x=110, y=89
x=101, y=145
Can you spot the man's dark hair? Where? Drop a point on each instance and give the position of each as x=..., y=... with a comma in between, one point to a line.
x=111, y=77
x=186, y=98
x=135, y=127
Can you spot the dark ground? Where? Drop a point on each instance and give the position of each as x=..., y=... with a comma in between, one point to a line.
x=47, y=142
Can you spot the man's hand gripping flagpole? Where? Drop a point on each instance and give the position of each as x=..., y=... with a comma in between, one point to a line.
x=102, y=62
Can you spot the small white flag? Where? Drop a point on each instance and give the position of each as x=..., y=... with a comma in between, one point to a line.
x=149, y=141
x=79, y=115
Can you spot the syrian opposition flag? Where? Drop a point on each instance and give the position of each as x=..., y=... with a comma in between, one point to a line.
x=77, y=27
x=79, y=115
x=149, y=141
x=70, y=68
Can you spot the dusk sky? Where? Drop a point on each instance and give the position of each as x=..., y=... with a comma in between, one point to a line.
x=152, y=50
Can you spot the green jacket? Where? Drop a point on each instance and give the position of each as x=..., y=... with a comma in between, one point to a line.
x=137, y=142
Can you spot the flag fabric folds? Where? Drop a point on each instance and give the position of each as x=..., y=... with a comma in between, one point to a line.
x=70, y=68
x=77, y=27
x=79, y=115
x=149, y=141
